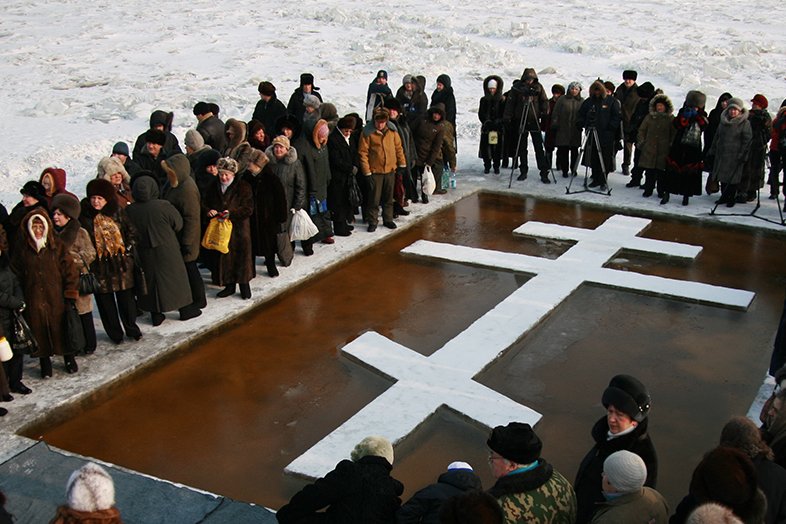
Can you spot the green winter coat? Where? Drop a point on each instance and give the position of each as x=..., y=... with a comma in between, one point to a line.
x=656, y=134
x=538, y=496
x=646, y=506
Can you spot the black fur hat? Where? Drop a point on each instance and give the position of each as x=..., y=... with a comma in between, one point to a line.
x=155, y=136
x=645, y=90
x=34, y=189
x=628, y=395
x=516, y=442
x=629, y=74
x=68, y=204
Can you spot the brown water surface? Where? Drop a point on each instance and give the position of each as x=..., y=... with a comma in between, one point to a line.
x=230, y=414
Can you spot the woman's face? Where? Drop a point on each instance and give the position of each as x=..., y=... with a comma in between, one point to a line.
x=38, y=228
x=98, y=202
x=259, y=135
x=574, y=91
x=59, y=218
x=287, y=132
x=279, y=151
x=618, y=421
x=226, y=177
x=28, y=200
x=46, y=181
x=116, y=178
x=734, y=112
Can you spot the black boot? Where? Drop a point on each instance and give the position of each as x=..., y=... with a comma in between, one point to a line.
x=398, y=210
x=665, y=199
x=308, y=248
x=46, y=366
x=685, y=199
x=227, y=291
x=424, y=198
x=157, y=318
x=70, y=364
x=271, y=269
x=245, y=291
x=189, y=312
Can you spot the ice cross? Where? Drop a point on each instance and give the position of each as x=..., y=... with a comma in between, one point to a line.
x=424, y=384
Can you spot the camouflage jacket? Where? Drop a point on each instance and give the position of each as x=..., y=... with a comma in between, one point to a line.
x=540, y=495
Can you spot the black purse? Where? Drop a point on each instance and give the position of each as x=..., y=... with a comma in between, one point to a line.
x=75, y=335
x=353, y=191
x=23, y=340
x=140, y=282
x=88, y=281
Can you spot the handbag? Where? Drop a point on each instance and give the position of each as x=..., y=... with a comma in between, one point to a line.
x=428, y=182
x=353, y=192
x=75, y=335
x=23, y=339
x=217, y=235
x=88, y=281
x=5, y=350
x=692, y=136
x=140, y=281
x=284, y=248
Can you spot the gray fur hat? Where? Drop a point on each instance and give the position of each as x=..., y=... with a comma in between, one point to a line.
x=110, y=165
x=90, y=488
x=373, y=446
x=695, y=99
x=575, y=84
x=194, y=139
x=310, y=100
x=736, y=102
x=712, y=513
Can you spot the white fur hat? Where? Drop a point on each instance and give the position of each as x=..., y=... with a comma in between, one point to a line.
x=374, y=446
x=712, y=513
x=90, y=488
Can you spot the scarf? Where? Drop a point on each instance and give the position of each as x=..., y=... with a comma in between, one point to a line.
x=109, y=240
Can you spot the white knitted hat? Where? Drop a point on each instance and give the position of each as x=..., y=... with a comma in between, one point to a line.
x=625, y=471
x=90, y=488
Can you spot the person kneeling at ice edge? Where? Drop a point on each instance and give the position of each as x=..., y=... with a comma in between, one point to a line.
x=627, y=500
x=528, y=488
x=357, y=491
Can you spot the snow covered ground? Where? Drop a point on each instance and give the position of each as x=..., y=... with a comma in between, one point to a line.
x=79, y=76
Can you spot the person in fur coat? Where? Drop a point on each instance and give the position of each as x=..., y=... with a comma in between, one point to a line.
x=232, y=198
x=653, y=141
x=65, y=216
x=113, y=237
x=492, y=129
x=110, y=168
x=49, y=279
x=731, y=148
x=90, y=495
x=285, y=165
x=237, y=147
x=753, y=171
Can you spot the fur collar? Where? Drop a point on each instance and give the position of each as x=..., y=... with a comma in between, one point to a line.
x=523, y=482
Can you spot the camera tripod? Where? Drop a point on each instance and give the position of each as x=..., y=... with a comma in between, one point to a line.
x=522, y=130
x=591, y=140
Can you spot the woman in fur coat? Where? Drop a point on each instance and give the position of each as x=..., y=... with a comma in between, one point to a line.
x=232, y=198
x=684, y=163
x=110, y=168
x=730, y=149
x=49, y=278
x=113, y=238
x=653, y=142
x=285, y=165
x=65, y=216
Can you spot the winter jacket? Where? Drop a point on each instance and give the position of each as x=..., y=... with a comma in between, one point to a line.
x=520, y=98
x=424, y=505
x=295, y=106
x=270, y=210
x=78, y=244
x=113, y=273
x=415, y=104
x=157, y=223
x=588, y=478
x=645, y=506
x=182, y=192
x=212, y=130
x=361, y=492
x=148, y=163
x=731, y=147
x=772, y=482
x=713, y=121
x=761, y=131
x=490, y=111
x=380, y=151
x=429, y=137
x=655, y=135
x=316, y=164
x=629, y=98
x=563, y=121
x=48, y=277
x=238, y=148
x=11, y=296
x=268, y=113
x=57, y=182
x=171, y=145
x=539, y=495
x=289, y=171
x=446, y=98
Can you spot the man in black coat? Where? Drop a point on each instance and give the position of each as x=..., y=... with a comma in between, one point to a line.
x=162, y=121
x=149, y=158
x=269, y=108
x=425, y=505
x=295, y=106
x=599, y=113
x=342, y=154
x=624, y=426
x=210, y=126
x=527, y=98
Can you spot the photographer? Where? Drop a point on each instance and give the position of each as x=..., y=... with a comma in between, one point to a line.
x=599, y=114
x=527, y=93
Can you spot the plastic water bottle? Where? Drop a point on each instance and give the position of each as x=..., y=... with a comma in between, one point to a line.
x=452, y=180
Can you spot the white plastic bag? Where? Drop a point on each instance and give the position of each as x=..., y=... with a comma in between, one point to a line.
x=5, y=350
x=429, y=184
x=302, y=227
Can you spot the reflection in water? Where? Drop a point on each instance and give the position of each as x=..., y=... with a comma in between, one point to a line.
x=230, y=414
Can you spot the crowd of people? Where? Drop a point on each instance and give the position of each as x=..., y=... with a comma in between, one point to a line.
x=662, y=152
x=741, y=480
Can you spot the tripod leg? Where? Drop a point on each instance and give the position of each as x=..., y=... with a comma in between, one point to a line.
x=514, y=161
x=604, y=174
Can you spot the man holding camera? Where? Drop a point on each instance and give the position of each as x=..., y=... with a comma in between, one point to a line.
x=527, y=97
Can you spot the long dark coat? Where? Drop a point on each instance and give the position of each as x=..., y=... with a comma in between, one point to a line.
x=78, y=244
x=713, y=121
x=361, y=492
x=316, y=165
x=603, y=113
x=113, y=273
x=157, y=223
x=445, y=97
x=289, y=171
x=588, y=478
x=295, y=105
x=753, y=171
x=237, y=266
x=424, y=506
x=342, y=161
x=685, y=162
x=518, y=102
x=563, y=121
x=182, y=192
x=731, y=147
x=11, y=296
x=490, y=111
x=48, y=278
x=270, y=211
x=269, y=112
x=655, y=135
x=415, y=105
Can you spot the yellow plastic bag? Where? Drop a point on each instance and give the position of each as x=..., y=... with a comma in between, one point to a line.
x=217, y=235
